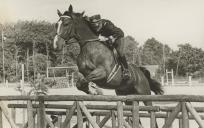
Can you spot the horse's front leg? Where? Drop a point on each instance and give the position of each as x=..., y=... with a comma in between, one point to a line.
x=87, y=87
x=82, y=84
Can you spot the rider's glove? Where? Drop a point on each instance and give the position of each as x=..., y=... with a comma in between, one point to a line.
x=112, y=38
x=102, y=38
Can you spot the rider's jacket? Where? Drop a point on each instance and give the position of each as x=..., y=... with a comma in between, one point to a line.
x=106, y=28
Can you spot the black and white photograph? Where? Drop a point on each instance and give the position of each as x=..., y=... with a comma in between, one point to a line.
x=101, y=63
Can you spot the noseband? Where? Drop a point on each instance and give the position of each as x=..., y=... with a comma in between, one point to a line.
x=69, y=31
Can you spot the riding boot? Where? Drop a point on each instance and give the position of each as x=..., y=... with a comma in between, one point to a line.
x=126, y=73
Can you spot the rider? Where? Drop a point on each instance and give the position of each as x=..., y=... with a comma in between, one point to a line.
x=106, y=29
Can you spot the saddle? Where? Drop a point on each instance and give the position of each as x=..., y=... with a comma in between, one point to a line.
x=114, y=51
x=116, y=56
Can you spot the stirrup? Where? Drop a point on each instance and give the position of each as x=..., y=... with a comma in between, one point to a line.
x=126, y=74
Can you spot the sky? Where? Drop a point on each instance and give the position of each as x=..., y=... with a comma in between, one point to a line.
x=171, y=22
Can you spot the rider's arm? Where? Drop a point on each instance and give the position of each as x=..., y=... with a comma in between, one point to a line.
x=113, y=30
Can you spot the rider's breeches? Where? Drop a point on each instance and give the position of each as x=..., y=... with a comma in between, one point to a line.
x=120, y=46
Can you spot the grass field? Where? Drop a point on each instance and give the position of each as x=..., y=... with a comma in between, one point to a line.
x=173, y=90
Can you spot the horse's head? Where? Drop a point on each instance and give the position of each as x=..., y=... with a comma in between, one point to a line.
x=70, y=25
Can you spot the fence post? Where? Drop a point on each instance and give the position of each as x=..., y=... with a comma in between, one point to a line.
x=152, y=119
x=30, y=114
x=1, y=118
x=59, y=121
x=162, y=80
x=72, y=81
x=185, y=121
x=113, y=119
x=13, y=114
x=41, y=115
x=135, y=115
x=168, y=113
x=190, y=80
x=172, y=76
x=120, y=114
x=79, y=116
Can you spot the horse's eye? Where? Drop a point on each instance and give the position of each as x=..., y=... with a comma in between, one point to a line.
x=65, y=24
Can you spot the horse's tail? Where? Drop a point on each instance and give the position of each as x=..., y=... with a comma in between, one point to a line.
x=155, y=86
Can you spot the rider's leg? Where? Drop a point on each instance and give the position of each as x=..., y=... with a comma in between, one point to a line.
x=119, y=45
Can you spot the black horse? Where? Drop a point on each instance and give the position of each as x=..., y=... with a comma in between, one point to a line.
x=96, y=62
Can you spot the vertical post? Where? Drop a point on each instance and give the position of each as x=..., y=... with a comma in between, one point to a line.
x=79, y=117
x=120, y=114
x=162, y=80
x=168, y=113
x=164, y=59
x=47, y=61
x=185, y=120
x=59, y=122
x=34, y=69
x=152, y=120
x=68, y=84
x=180, y=123
x=1, y=118
x=172, y=76
x=13, y=114
x=72, y=81
x=41, y=115
x=47, y=75
x=22, y=78
x=27, y=64
x=113, y=119
x=167, y=78
x=30, y=114
x=16, y=59
x=135, y=115
x=3, y=57
x=190, y=80
x=7, y=84
x=63, y=51
x=22, y=87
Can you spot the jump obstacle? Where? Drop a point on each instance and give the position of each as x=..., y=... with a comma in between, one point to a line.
x=183, y=110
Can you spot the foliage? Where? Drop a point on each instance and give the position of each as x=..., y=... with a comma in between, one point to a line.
x=39, y=65
x=39, y=86
x=31, y=41
x=153, y=51
x=189, y=59
x=131, y=49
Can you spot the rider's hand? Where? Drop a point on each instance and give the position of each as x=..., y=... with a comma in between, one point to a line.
x=112, y=38
x=102, y=38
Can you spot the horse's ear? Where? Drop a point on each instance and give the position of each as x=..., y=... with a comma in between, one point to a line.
x=70, y=8
x=82, y=13
x=59, y=13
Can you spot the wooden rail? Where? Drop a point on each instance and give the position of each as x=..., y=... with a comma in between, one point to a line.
x=98, y=115
x=160, y=98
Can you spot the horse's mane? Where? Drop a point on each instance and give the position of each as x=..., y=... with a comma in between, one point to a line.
x=84, y=18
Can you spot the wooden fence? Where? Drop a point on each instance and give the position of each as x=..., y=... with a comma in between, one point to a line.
x=184, y=110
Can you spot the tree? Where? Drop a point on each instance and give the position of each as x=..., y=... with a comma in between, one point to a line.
x=153, y=52
x=131, y=50
x=189, y=59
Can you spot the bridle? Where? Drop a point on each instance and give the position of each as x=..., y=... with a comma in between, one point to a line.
x=68, y=32
x=74, y=35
